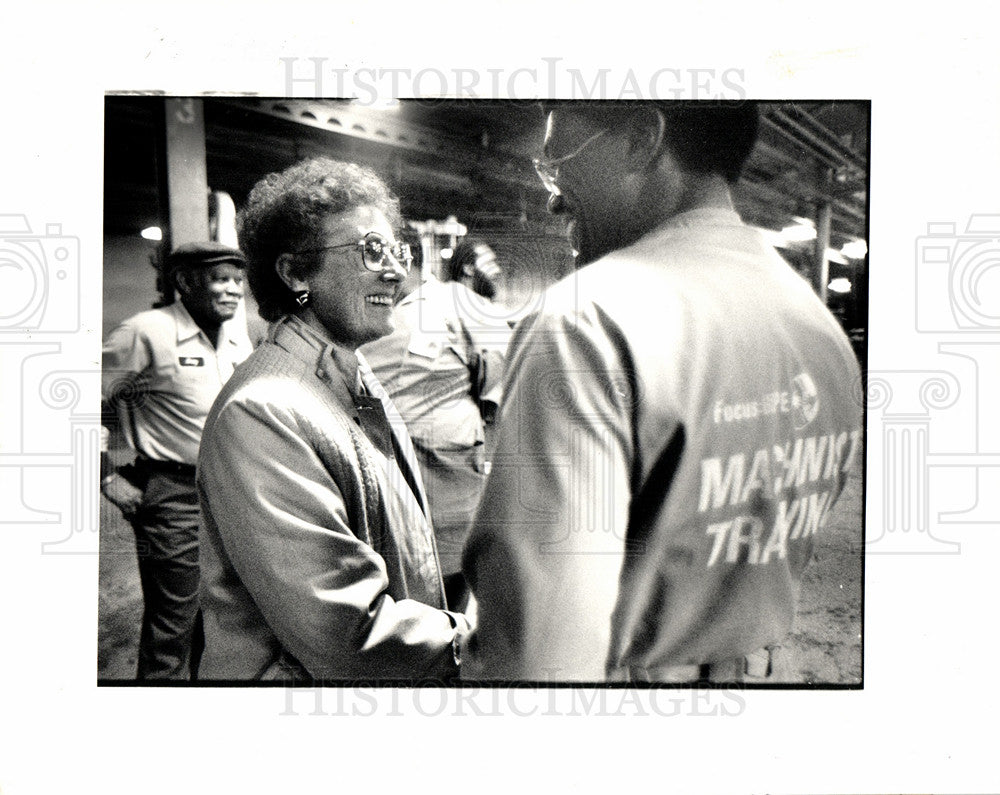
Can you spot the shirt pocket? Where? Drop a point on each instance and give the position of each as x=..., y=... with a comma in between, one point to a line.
x=195, y=375
x=426, y=346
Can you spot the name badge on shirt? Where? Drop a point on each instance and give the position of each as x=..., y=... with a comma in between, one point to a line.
x=191, y=361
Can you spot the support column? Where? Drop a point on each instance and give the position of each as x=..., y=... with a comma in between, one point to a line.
x=823, y=220
x=183, y=175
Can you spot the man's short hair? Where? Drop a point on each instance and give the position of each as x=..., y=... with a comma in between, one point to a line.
x=286, y=212
x=467, y=253
x=705, y=137
x=463, y=254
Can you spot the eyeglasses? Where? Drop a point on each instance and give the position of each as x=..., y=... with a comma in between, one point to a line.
x=548, y=170
x=374, y=251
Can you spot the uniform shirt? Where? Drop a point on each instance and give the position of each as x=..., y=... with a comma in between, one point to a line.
x=678, y=421
x=162, y=374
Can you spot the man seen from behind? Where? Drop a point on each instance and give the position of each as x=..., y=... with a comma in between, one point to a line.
x=679, y=417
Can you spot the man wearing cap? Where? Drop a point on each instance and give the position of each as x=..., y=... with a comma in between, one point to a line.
x=162, y=370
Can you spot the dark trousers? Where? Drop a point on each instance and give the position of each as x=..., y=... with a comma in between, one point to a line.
x=166, y=542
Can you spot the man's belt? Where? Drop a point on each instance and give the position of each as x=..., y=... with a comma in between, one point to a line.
x=166, y=467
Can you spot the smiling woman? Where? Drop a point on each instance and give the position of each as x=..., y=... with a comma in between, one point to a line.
x=347, y=289
x=320, y=563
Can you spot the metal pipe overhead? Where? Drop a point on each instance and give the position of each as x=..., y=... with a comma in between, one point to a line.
x=836, y=156
x=826, y=134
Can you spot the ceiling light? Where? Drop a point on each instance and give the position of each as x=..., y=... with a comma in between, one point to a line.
x=799, y=233
x=152, y=233
x=773, y=238
x=856, y=249
x=840, y=285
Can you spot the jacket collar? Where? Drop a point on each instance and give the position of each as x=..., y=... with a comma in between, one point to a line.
x=340, y=369
x=333, y=364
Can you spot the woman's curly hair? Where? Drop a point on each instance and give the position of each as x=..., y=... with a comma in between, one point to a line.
x=286, y=212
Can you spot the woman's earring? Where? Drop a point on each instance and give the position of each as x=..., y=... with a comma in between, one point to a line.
x=302, y=299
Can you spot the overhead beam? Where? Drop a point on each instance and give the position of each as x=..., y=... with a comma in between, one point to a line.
x=350, y=120
x=355, y=121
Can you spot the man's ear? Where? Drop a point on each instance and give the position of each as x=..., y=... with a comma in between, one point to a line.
x=646, y=139
x=286, y=269
x=184, y=281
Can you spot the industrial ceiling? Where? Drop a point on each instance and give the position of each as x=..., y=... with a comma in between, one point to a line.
x=473, y=158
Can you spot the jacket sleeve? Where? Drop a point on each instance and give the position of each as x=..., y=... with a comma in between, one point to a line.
x=283, y=525
x=545, y=554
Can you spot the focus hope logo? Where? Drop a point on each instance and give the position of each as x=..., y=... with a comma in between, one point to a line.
x=805, y=400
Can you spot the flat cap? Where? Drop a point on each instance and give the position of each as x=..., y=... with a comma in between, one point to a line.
x=207, y=253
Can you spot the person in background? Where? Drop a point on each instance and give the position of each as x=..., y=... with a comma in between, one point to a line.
x=439, y=368
x=320, y=561
x=161, y=371
x=678, y=419
x=474, y=264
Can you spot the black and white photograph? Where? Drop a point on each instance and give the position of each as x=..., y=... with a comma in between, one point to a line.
x=499, y=397
x=551, y=392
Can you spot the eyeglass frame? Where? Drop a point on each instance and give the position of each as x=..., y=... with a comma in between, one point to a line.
x=404, y=260
x=548, y=169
